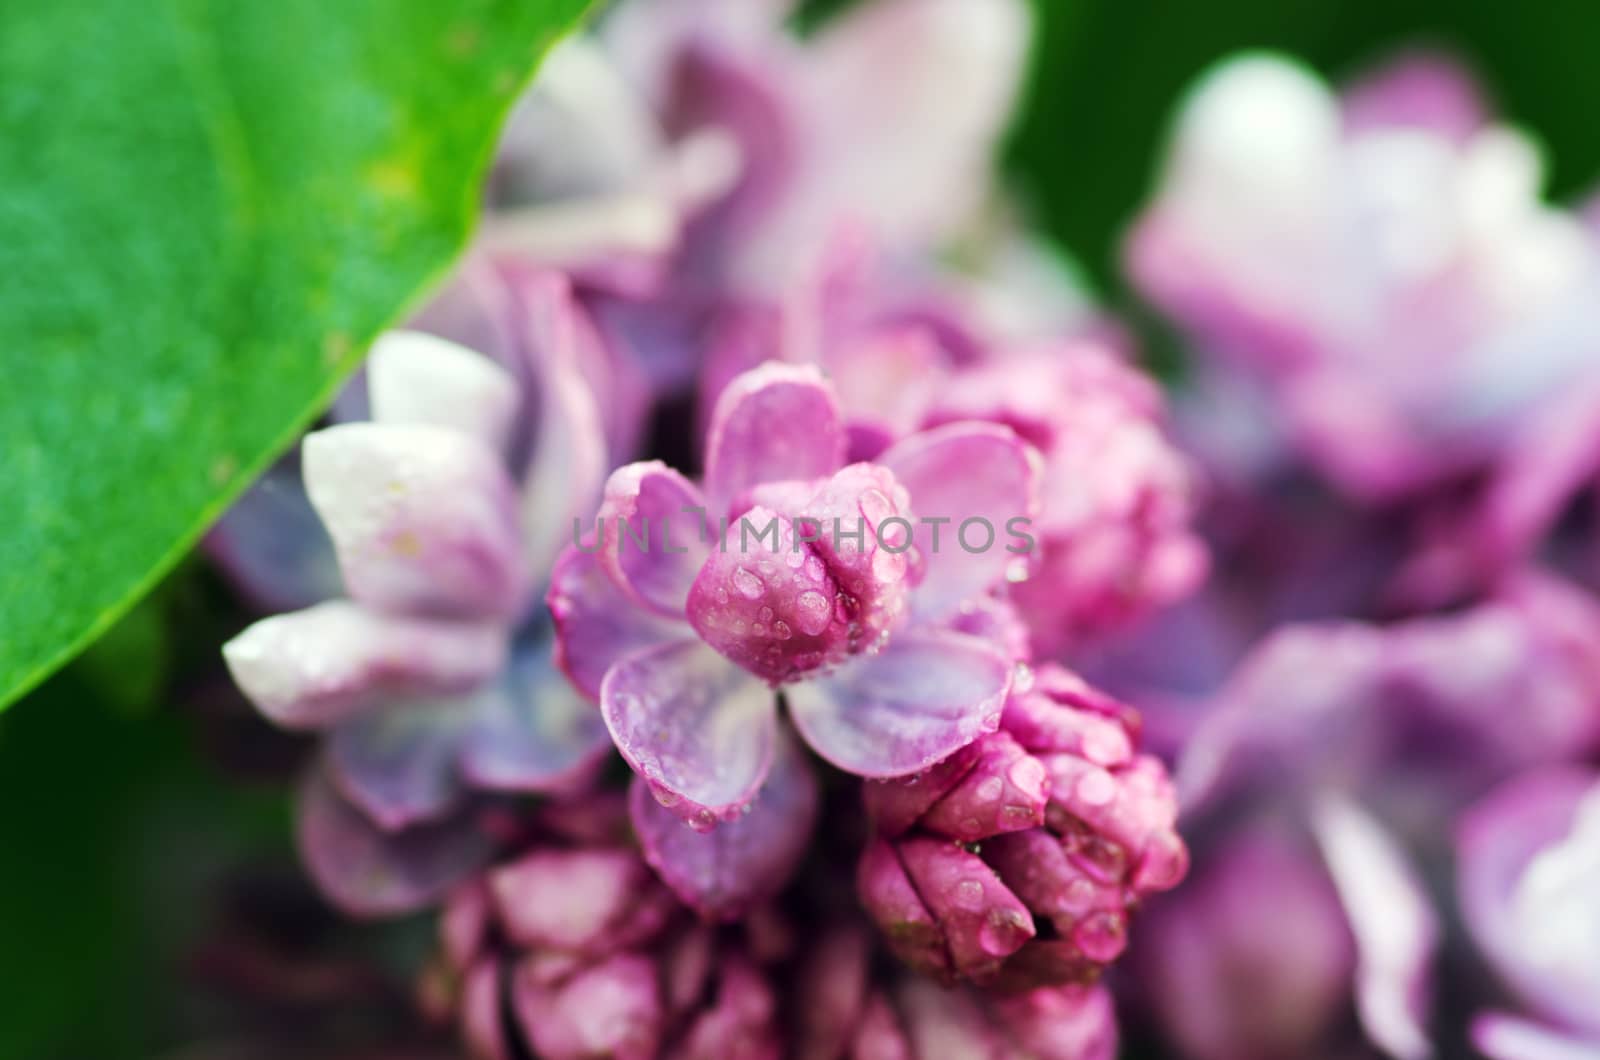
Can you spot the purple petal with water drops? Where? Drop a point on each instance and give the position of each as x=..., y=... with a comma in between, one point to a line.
x=697, y=728
x=927, y=694
x=1393, y=922
x=424, y=519
x=983, y=923
x=773, y=423
x=414, y=378
x=366, y=871
x=766, y=601
x=896, y=805
x=723, y=872
x=312, y=668
x=653, y=536
x=397, y=764
x=596, y=624
x=531, y=731
x=977, y=478
x=1004, y=791
x=1502, y=1037
x=272, y=547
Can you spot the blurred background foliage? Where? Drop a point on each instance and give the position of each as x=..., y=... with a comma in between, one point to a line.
x=143, y=814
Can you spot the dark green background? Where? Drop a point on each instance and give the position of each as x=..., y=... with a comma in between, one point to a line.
x=115, y=824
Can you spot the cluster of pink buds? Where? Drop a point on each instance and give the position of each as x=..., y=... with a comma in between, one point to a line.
x=1016, y=861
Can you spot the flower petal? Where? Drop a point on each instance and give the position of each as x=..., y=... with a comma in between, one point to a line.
x=596, y=624
x=271, y=546
x=423, y=519
x=892, y=901
x=1527, y=818
x=723, y=872
x=398, y=764
x=368, y=872
x=414, y=378
x=1071, y=1022
x=652, y=529
x=312, y=668
x=531, y=731
x=1502, y=1037
x=975, y=480
x=1394, y=926
x=924, y=696
x=983, y=922
x=697, y=728
x=568, y=461
x=609, y=1009
x=568, y=900
x=773, y=423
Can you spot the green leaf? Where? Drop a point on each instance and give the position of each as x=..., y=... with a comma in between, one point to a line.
x=208, y=208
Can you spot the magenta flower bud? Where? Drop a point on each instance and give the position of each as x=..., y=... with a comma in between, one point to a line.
x=1070, y=825
x=892, y=900
x=803, y=589
x=830, y=608
x=1003, y=791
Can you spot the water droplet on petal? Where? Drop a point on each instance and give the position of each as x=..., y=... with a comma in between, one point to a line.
x=748, y=583
x=812, y=612
x=969, y=894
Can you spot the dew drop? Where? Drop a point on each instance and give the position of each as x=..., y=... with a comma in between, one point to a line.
x=812, y=612
x=748, y=583
x=969, y=894
x=781, y=630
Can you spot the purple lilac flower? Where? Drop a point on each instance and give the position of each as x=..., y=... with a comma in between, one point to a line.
x=416, y=677
x=569, y=950
x=1380, y=266
x=845, y=611
x=1527, y=858
x=1017, y=861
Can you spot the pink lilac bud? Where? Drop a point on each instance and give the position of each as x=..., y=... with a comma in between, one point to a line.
x=578, y=951
x=1051, y=821
x=829, y=586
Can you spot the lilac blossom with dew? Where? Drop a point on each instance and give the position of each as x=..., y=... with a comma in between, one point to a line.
x=427, y=679
x=1017, y=862
x=791, y=575
x=1527, y=858
x=571, y=949
x=1377, y=266
x=905, y=353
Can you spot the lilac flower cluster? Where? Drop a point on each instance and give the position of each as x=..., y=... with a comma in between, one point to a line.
x=708, y=779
